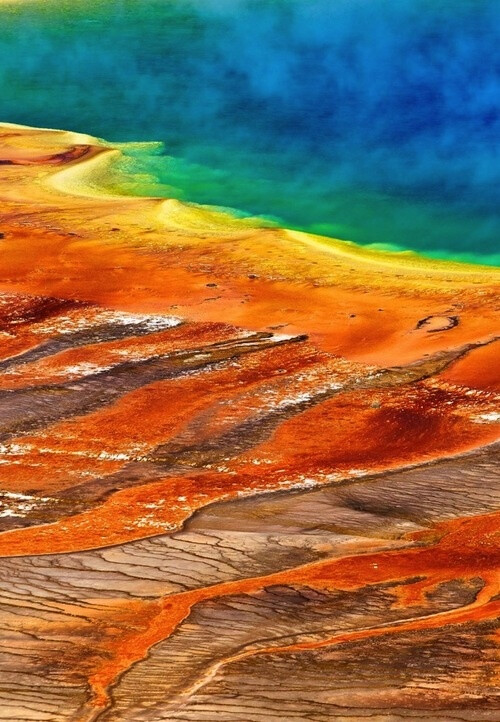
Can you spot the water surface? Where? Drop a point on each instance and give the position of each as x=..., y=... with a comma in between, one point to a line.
x=369, y=120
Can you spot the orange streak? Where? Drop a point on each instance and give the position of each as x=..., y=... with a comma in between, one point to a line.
x=468, y=548
x=74, y=153
x=300, y=448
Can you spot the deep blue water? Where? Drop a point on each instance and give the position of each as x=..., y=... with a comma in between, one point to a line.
x=376, y=121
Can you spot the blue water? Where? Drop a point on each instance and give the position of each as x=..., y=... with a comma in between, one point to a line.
x=376, y=121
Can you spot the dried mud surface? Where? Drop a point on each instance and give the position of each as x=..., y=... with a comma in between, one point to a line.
x=247, y=474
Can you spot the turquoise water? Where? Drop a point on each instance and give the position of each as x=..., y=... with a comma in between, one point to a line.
x=368, y=120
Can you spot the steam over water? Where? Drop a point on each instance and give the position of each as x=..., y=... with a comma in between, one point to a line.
x=376, y=121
